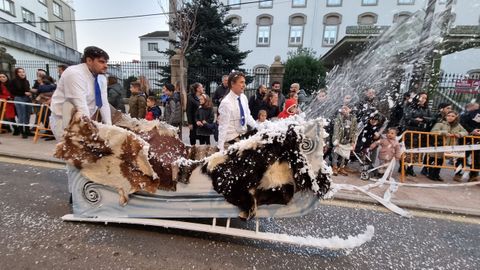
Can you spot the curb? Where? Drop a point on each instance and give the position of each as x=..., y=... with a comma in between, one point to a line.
x=412, y=205
x=26, y=157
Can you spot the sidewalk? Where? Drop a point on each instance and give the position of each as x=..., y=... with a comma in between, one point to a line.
x=457, y=200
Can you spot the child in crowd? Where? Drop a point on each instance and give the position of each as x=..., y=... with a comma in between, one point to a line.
x=451, y=131
x=153, y=111
x=291, y=108
x=262, y=117
x=204, y=118
x=369, y=134
x=343, y=139
x=137, y=102
x=389, y=148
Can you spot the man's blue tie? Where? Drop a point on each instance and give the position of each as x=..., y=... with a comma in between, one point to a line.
x=98, y=93
x=242, y=113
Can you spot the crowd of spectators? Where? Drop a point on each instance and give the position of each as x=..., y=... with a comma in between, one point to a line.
x=358, y=131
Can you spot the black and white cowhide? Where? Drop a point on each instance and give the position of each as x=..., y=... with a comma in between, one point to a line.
x=269, y=167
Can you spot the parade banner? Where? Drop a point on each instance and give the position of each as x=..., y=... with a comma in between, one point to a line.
x=467, y=86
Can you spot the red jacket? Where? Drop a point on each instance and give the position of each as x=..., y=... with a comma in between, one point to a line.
x=288, y=104
x=10, y=110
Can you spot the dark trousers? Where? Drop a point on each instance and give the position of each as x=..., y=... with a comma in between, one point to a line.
x=203, y=139
x=193, y=135
x=475, y=163
x=434, y=172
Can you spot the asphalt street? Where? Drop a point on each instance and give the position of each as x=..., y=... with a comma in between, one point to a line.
x=32, y=235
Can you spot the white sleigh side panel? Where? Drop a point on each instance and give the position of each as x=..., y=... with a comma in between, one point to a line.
x=195, y=200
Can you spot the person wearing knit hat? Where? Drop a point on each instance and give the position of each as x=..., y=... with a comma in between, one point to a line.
x=291, y=108
x=443, y=109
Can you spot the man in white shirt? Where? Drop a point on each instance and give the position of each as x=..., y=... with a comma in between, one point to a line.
x=234, y=114
x=85, y=87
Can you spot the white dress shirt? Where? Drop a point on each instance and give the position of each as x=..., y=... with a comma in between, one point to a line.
x=229, y=124
x=77, y=86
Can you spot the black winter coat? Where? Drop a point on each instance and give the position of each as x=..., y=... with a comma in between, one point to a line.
x=470, y=120
x=366, y=137
x=192, y=106
x=205, y=114
x=414, y=111
x=256, y=103
x=272, y=111
x=18, y=87
x=220, y=92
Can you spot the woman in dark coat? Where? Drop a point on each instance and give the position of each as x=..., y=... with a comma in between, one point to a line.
x=416, y=117
x=204, y=119
x=271, y=105
x=193, y=102
x=20, y=89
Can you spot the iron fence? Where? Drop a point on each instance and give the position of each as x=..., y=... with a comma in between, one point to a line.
x=457, y=89
x=127, y=72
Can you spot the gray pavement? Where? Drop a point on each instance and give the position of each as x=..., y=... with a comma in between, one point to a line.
x=32, y=236
x=458, y=200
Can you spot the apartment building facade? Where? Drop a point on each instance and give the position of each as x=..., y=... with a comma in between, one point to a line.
x=39, y=30
x=276, y=27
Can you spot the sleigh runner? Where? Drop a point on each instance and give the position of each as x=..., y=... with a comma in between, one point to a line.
x=141, y=174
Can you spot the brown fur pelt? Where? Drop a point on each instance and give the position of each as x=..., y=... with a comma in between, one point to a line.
x=108, y=155
x=164, y=151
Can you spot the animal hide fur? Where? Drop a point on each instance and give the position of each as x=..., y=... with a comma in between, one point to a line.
x=108, y=155
x=266, y=173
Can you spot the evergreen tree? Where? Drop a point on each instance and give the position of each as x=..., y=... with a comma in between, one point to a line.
x=304, y=68
x=212, y=52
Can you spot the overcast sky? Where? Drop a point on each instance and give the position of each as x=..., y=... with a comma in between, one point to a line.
x=119, y=38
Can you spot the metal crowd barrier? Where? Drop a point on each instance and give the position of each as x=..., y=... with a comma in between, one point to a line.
x=433, y=146
x=42, y=123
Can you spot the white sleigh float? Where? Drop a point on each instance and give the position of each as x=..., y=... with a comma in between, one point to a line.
x=116, y=176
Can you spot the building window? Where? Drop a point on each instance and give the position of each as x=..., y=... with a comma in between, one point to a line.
x=367, y=19
x=265, y=4
x=28, y=16
x=402, y=16
x=264, y=23
x=152, y=47
x=7, y=6
x=234, y=3
x=299, y=3
x=152, y=64
x=44, y=2
x=297, y=22
x=334, y=3
x=263, y=36
x=44, y=25
x=57, y=10
x=369, y=2
x=406, y=2
x=330, y=30
x=59, y=34
x=296, y=33
x=330, y=35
